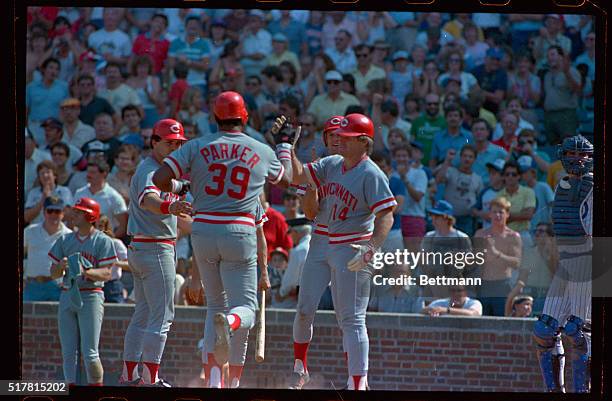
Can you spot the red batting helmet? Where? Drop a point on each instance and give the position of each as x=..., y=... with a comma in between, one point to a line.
x=229, y=106
x=356, y=125
x=331, y=124
x=169, y=129
x=90, y=207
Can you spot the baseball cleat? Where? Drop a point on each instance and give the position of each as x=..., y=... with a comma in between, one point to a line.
x=158, y=383
x=130, y=383
x=222, y=340
x=299, y=380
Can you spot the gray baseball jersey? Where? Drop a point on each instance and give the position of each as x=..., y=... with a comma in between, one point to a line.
x=354, y=196
x=97, y=248
x=227, y=175
x=142, y=222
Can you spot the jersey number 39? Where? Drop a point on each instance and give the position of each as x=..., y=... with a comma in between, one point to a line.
x=239, y=177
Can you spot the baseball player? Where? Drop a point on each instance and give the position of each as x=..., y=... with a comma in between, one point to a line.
x=568, y=300
x=84, y=258
x=316, y=273
x=227, y=175
x=360, y=206
x=152, y=224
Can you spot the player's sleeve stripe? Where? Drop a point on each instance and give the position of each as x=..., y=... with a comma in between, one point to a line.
x=56, y=260
x=383, y=204
x=148, y=190
x=261, y=221
x=174, y=166
x=284, y=154
x=109, y=258
x=310, y=170
x=279, y=176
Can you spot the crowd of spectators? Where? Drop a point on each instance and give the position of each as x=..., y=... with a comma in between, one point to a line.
x=467, y=109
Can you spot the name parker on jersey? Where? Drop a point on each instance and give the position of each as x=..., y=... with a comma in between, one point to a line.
x=223, y=151
x=340, y=192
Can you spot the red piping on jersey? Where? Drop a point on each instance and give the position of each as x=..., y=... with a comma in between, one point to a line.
x=232, y=132
x=239, y=214
x=244, y=223
x=382, y=202
x=53, y=257
x=279, y=176
x=313, y=175
x=160, y=240
x=340, y=238
x=178, y=167
x=209, y=217
x=96, y=289
x=321, y=229
x=345, y=170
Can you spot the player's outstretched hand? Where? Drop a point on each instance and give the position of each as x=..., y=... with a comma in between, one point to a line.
x=362, y=258
x=180, y=208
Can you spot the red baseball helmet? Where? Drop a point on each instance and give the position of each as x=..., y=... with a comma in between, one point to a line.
x=229, y=106
x=332, y=124
x=90, y=207
x=356, y=125
x=169, y=129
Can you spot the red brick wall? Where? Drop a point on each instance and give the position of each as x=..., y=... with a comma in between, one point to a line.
x=407, y=352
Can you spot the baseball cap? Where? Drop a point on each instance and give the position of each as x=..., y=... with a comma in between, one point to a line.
x=417, y=145
x=279, y=37
x=442, y=208
x=399, y=55
x=497, y=164
x=496, y=53
x=526, y=163
x=280, y=250
x=52, y=122
x=54, y=203
x=71, y=101
x=333, y=75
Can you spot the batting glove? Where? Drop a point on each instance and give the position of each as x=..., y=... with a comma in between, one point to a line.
x=364, y=255
x=181, y=187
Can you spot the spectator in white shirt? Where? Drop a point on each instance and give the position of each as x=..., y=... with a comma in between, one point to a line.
x=111, y=42
x=458, y=304
x=76, y=132
x=37, y=241
x=111, y=202
x=117, y=93
x=341, y=53
x=256, y=44
x=334, y=23
x=300, y=231
x=513, y=106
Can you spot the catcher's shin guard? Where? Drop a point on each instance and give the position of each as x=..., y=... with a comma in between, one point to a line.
x=544, y=331
x=580, y=355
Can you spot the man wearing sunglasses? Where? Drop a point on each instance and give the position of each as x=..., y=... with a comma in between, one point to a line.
x=37, y=241
x=333, y=102
x=365, y=71
x=522, y=199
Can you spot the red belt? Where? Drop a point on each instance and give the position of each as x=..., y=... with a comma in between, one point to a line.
x=160, y=240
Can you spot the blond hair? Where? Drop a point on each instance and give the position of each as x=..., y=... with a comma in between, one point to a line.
x=501, y=202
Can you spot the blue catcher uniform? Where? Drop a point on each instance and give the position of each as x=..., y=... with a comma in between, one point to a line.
x=568, y=300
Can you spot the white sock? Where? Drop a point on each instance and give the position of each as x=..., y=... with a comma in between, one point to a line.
x=215, y=377
x=235, y=383
x=298, y=367
x=146, y=375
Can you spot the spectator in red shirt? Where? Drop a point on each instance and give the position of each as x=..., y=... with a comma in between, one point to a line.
x=509, y=125
x=178, y=87
x=153, y=43
x=276, y=229
x=42, y=15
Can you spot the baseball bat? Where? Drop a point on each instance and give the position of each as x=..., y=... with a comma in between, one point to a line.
x=260, y=345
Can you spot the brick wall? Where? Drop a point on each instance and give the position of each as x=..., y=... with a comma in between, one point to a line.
x=407, y=352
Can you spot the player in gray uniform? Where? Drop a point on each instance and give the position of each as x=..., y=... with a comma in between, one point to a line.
x=84, y=258
x=316, y=274
x=227, y=175
x=360, y=206
x=152, y=224
x=568, y=301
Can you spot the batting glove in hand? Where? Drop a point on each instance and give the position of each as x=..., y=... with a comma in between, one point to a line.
x=364, y=255
x=282, y=132
x=180, y=208
x=182, y=187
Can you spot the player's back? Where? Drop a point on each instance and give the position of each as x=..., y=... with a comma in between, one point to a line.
x=227, y=174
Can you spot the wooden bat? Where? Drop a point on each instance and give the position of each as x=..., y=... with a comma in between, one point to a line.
x=260, y=341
